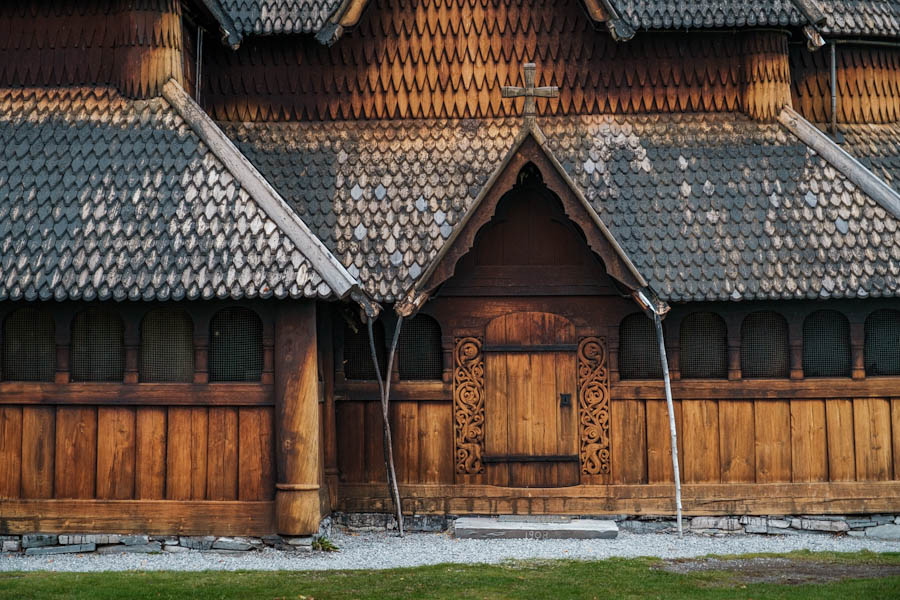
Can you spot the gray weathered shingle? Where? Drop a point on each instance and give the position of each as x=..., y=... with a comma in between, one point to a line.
x=278, y=16
x=104, y=197
x=709, y=207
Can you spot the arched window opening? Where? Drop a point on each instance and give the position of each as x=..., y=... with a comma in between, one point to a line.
x=29, y=346
x=419, y=355
x=638, y=348
x=703, y=347
x=826, y=344
x=764, y=345
x=882, y=343
x=98, y=347
x=167, y=346
x=357, y=353
x=235, y=345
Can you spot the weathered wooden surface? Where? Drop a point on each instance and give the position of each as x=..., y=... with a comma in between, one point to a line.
x=699, y=499
x=163, y=517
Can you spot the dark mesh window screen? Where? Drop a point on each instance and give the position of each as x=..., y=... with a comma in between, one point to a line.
x=764, y=345
x=704, y=348
x=98, y=352
x=29, y=346
x=167, y=346
x=638, y=348
x=826, y=345
x=235, y=345
x=883, y=343
x=419, y=349
x=357, y=355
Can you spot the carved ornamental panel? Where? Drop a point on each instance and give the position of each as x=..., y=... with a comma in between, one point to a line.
x=593, y=406
x=468, y=405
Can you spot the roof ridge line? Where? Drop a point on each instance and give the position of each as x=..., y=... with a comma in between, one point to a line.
x=258, y=188
x=862, y=177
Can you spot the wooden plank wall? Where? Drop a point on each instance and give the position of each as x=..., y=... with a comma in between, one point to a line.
x=423, y=441
x=758, y=441
x=137, y=453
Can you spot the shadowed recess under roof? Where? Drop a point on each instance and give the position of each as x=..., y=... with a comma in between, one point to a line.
x=29, y=346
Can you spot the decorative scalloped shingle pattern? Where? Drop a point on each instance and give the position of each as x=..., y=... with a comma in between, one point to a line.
x=672, y=14
x=861, y=17
x=103, y=197
x=877, y=147
x=709, y=207
x=267, y=17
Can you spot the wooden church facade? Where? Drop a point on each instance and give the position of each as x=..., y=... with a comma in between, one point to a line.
x=201, y=204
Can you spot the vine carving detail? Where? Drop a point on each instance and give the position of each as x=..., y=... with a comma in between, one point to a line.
x=593, y=406
x=468, y=405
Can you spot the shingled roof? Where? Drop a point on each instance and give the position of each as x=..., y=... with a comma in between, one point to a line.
x=104, y=197
x=878, y=18
x=266, y=17
x=708, y=206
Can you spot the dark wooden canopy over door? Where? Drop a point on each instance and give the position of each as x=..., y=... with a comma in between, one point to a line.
x=530, y=415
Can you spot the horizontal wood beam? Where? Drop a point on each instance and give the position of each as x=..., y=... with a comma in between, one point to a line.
x=138, y=394
x=402, y=391
x=155, y=517
x=759, y=389
x=654, y=499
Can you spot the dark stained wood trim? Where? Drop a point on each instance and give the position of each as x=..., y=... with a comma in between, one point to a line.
x=155, y=517
x=405, y=391
x=759, y=389
x=164, y=394
x=655, y=499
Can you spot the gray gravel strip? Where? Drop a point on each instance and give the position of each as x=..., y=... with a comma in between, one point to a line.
x=385, y=551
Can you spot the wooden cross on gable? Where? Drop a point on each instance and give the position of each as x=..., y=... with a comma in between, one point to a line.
x=529, y=92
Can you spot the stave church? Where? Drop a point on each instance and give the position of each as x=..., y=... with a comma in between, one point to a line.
x=219, y=217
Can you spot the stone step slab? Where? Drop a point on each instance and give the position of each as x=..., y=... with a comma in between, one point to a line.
x=490, y=528
x=70, y=549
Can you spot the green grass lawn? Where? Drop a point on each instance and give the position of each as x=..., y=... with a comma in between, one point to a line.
x=615, y=578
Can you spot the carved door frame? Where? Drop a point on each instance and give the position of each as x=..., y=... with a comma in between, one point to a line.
x=592, y=370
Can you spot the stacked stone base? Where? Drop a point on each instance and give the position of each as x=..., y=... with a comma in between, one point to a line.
x=878, y=527
x=39, y=544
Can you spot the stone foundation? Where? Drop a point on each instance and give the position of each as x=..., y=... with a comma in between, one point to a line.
x=880, y=527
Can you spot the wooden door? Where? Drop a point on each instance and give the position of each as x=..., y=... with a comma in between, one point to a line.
x=530, y=401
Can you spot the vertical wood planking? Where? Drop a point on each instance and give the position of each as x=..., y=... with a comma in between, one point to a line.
x=496, y=416
x=256, y=476
x=405, y=437
x=10, y=451
x=628, y=433
x=701, y=441
x=436, y=442
x=872, y=428
x=150, y=453
x=374, y=440
x=895, y=435
x=76, y=452
x=737, y=441
x=222, y=457
x=773, y=440
x=178, y=454
x=38, y=450
x=199, y=447
x=351, y=441
x=115, y=452
x=841, y=445
x=809, y=446
x=659, y=441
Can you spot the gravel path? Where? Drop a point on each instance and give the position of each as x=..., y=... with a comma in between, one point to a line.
x=384, y=551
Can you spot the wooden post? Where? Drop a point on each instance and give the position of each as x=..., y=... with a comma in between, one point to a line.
x=297, y=419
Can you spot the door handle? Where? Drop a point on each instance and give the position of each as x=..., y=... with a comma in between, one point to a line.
x=565, y=400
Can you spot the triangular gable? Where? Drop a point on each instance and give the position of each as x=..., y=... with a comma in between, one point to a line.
x=529, y=147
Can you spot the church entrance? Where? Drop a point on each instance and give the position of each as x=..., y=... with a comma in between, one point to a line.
x=531, y=424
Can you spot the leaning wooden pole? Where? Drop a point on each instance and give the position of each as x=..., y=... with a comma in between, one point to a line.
x=672, y=433
x=384, y=386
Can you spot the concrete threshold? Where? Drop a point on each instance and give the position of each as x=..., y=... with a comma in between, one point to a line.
x=491, y=528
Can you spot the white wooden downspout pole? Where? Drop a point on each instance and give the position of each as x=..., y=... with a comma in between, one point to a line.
x=672, y=433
